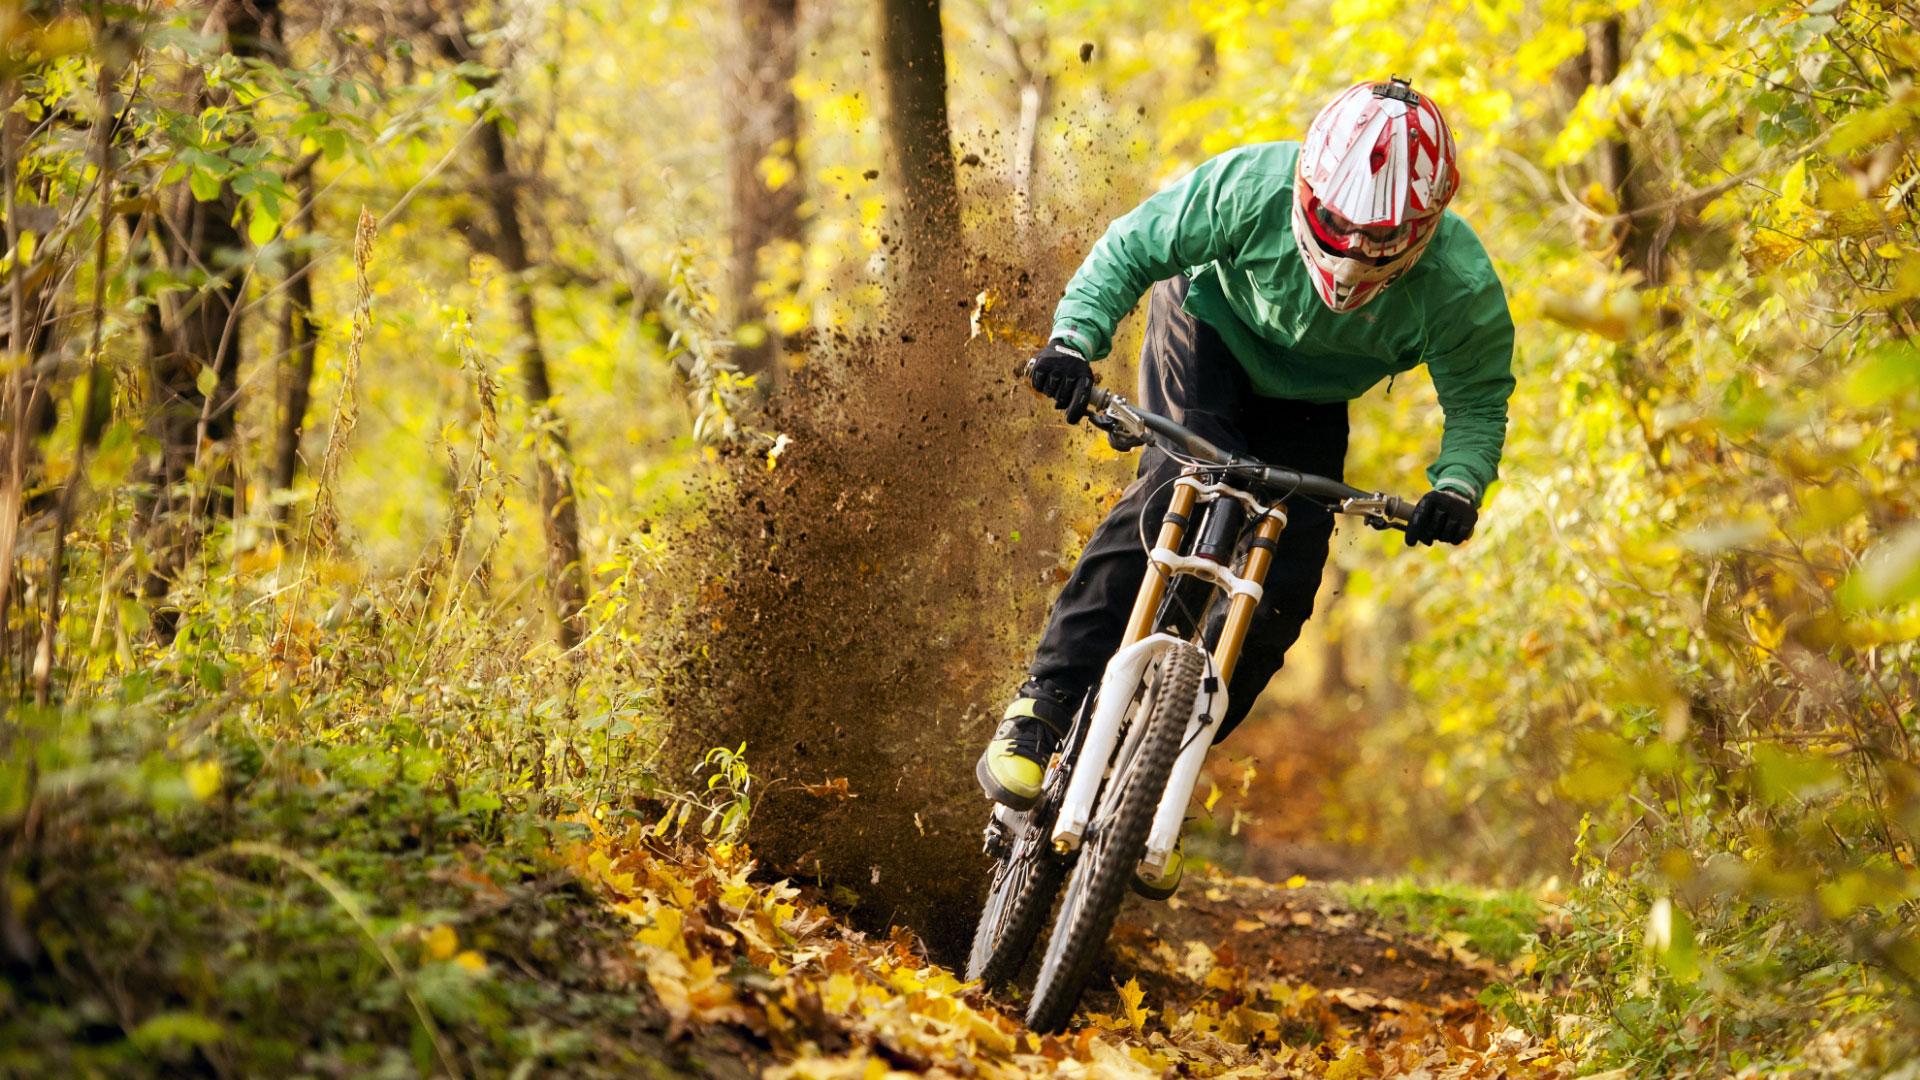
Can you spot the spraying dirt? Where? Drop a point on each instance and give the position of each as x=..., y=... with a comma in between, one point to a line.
x=867, y=602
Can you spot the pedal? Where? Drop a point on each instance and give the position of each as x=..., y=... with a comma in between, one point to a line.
x=994, y=837
x=998, y=840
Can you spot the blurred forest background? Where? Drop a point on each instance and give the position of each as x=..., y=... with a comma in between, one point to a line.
x=431, y=427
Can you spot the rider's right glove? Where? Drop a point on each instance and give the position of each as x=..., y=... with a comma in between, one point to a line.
x=1061, y=373
x=1447, y=516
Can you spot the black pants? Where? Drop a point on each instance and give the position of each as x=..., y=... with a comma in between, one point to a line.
x=1186, y=373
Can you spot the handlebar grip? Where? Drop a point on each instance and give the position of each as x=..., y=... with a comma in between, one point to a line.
x=1096, y=398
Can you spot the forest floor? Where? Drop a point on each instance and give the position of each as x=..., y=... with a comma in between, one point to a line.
x=1234, y=977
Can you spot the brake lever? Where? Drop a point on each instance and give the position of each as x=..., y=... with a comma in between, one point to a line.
x=1373, y=511
x=1122, y=441
x=1121, y=435
x=1118, y=436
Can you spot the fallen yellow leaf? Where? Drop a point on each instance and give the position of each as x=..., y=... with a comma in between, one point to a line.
x=1351, y=1065
x=1130, y=998
x=441, y=942
x=664, y=933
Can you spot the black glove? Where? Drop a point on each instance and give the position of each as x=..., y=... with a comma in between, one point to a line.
x=1061, y=373
x=1447, y=516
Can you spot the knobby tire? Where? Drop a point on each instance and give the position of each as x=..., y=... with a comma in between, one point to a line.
x=1017, y=905
x=1109, y=856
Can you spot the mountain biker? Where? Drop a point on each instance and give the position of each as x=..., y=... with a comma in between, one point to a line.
x=1287, y=279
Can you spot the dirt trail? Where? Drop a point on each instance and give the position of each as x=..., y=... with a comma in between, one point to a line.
x=1264, y=931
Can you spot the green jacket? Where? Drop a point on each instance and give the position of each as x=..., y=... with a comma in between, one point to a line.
x=1228, y=226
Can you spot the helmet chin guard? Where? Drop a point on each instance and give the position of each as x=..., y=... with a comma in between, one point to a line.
x=1375, y=174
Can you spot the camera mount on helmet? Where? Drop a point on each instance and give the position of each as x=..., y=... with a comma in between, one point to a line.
x=1397, y=88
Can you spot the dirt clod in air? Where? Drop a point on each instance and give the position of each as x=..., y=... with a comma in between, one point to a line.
x=866, y=603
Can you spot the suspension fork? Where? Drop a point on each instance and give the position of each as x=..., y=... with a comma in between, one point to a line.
x=1167, y=817
x=1153, y=588
x=1266, y=536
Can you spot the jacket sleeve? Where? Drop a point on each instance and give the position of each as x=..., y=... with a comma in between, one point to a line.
x=1207, y=215
x=1470, y=354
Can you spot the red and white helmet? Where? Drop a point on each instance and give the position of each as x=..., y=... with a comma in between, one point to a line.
x=1375, y=174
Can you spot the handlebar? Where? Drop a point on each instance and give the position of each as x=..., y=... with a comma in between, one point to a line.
x=1131, y=425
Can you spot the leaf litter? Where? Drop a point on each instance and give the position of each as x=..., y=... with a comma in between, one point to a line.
x=1226, y=983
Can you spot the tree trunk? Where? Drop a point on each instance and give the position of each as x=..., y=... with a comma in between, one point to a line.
x=1633, y=237
x=1027, y=63
x=765, y=174
x=299, y=344
x=26, y=403
x=1026, y=147
x=194, y=427
x=913, y=62
x=559, y=511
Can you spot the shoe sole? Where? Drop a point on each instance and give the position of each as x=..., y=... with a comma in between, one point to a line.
x=1146, y=891
x=997, y=793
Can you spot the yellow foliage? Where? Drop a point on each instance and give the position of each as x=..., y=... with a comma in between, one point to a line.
x=1361, y=12
x=441, y=942
x=1610, y=308
x=203, y=779
x=1130, y=1008
x=1590, y=123
x=1540, y=55
x=1350, y=1065
x=664, y=930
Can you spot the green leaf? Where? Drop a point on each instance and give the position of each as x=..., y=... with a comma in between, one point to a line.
x=1888, y=574
x=1887, y=374
x=308, y=123
x=1670, y=939
x=204, y=185
x=1780, y=774
x=172, y=1029
x=261, y=228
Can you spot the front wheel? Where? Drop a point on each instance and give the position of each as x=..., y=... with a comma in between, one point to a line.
x=1117, y=841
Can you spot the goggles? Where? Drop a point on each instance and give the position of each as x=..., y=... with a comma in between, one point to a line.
x=1347, y=238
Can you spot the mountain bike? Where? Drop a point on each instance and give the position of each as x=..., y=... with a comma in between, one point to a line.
x=1115, y=794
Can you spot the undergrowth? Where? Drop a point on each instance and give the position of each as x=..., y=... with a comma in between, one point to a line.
x=1499, y=924
x=272, y=846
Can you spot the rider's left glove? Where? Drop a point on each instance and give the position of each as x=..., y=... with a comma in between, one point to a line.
x=1061, y=373
x=1446, y=516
